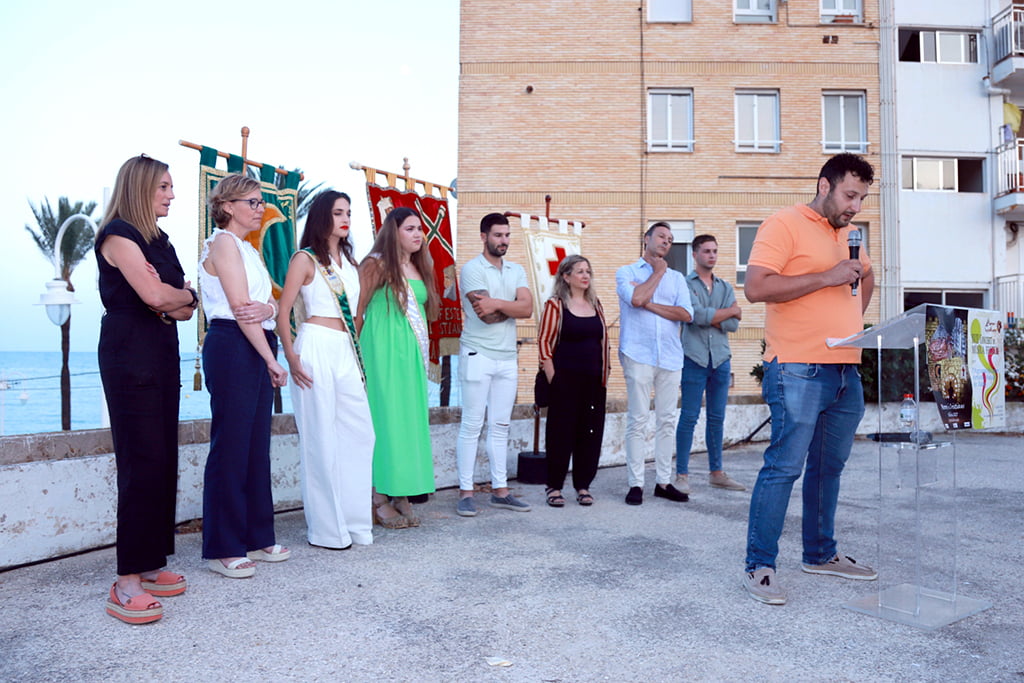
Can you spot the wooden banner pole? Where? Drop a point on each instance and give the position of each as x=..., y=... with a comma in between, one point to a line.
x=245, y=146
x=391, y=178
x=225, y=155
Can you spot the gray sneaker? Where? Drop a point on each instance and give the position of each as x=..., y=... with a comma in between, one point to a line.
x=509, y=502
x=761, y=585
x=466, y=507
x=724, y=481
x=844, y=566
x=682, y=483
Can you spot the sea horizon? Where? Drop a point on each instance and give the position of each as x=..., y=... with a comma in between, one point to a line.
x=30, y=392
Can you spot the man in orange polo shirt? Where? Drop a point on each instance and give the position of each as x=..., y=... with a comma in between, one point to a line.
x=800, y=267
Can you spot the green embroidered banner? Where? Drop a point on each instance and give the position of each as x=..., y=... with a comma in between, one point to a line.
x=275, y=240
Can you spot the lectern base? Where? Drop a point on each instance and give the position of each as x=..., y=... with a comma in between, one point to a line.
x=922, y=607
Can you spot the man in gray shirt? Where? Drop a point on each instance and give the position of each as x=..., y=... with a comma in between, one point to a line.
x=707, y=369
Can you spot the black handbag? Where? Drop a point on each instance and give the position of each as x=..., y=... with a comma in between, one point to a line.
x=541, y=390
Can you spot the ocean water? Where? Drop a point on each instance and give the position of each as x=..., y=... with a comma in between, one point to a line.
x=30, y=392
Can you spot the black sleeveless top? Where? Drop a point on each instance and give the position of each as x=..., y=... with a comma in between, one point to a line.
x=579, y=347
x=115, y=292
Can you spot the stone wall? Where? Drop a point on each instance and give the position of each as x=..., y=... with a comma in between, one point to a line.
x=58, y=490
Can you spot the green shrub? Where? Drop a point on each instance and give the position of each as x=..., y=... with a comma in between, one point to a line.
x=897, y=374
x=1013, y=363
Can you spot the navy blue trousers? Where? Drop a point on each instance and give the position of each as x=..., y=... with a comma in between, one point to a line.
x=238, y=508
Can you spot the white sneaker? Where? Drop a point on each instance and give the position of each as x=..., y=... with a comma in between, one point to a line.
x=761, y=585
x=844, y=566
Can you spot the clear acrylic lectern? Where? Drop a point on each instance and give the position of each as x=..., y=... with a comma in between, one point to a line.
x=918, y=520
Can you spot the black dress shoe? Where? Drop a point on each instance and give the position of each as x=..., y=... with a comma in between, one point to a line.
x=635, y=496
x=670, y=492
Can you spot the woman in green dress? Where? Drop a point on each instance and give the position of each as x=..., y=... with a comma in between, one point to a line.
x=397, y=301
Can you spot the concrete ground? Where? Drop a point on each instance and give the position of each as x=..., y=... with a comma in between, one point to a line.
x=609, y=592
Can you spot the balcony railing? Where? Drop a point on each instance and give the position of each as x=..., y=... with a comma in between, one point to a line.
x=1010, y=161
x=1008, y=28
x=1010, y=294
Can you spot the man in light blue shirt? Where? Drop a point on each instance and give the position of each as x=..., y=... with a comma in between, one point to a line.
x=653, y=302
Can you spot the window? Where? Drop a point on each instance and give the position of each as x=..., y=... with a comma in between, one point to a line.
x=843, y=122
x=863, y=227
x=670, y=124
x=679, y=256
x=940, y=297
x=942, y=175
x=947, y=47
x=840, y=11
x=745, y=234
x=755, y=11
x=757, y=121
x=669, y=10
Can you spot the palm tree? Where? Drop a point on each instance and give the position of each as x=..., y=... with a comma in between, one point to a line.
x=75, y=246
x=305, y=193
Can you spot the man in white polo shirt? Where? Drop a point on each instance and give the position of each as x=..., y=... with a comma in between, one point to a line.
x=494, y=294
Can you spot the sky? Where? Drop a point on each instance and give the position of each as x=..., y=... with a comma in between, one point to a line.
x=319, y=83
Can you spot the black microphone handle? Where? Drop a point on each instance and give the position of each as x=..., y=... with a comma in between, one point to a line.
x=854, y=254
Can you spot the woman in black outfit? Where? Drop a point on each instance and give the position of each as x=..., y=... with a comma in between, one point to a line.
x=143, y=289
x=573, y=349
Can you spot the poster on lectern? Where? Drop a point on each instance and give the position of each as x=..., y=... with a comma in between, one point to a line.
x=965, y=366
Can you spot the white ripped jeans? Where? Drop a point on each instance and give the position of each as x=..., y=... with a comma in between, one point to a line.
x=488, y=386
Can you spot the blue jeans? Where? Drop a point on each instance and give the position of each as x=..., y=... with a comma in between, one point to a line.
x=694, y=382
x=815, y=410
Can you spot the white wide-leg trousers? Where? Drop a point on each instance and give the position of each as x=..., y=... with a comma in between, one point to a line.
x=336, y=440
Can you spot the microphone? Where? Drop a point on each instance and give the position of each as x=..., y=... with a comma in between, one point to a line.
x=854, y=240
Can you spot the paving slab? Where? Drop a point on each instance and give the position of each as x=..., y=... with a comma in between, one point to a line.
x=610, y=592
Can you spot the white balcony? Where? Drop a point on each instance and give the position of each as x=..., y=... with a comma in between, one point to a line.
x=1009, y=199
x=1008, y=49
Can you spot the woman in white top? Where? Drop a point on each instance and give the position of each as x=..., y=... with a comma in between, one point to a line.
x=240, y=363
x=328, y=395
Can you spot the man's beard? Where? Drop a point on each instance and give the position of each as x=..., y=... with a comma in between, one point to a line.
x=498, y=250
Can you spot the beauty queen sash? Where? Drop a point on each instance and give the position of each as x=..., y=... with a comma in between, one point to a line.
x=419, y=327
x=337, y=287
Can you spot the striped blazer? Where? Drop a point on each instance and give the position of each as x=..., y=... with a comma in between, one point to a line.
x=551, y=327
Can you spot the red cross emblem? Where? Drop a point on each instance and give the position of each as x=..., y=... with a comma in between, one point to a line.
x=559, y=257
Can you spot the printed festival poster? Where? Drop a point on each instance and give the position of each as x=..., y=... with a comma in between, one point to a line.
x=965, y=366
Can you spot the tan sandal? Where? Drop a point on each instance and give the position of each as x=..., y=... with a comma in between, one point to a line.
x=395, y=522
x=406, y=511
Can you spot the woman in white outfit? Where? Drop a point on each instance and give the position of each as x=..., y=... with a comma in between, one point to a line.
x=328, y=394
x=240, y=362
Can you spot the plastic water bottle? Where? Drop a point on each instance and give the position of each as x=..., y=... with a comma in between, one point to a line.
x=908, y=412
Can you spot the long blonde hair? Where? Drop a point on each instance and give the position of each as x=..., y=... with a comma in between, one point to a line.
x=562, y=291
x=132, y=198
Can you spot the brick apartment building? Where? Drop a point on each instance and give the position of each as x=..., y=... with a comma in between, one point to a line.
x=710, y=115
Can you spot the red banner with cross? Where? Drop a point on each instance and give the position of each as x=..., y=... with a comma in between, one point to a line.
x=435, y=215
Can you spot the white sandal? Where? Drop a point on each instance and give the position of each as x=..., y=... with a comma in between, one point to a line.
x=277, y=554
x=233, y=570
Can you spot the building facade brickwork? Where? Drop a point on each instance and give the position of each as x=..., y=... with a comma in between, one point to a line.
x=555, y=99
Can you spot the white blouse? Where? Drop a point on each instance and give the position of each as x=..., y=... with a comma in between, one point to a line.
x=318, y=298
x=215, y=302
